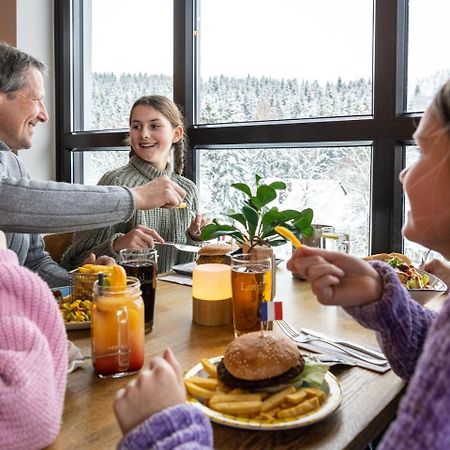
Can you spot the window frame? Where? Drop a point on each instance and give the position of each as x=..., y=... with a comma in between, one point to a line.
x=389, y=129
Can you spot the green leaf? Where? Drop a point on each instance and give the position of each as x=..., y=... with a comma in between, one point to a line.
x=265, y=194
x=258, y=179
x=243, y=188
x=304, y=221
x=277, y=242
x=291, y=214
x=239, y=217
x=213, y=230
x=252, y=217
x=269, y=220
x=278, y=185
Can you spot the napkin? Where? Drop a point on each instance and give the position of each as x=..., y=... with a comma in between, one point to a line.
x=175, y=278
x=76, y=359
x=320, y=347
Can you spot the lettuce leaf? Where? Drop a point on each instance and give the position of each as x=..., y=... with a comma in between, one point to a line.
x=312, y=375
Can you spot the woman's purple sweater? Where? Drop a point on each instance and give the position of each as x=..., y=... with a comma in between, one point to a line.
x=417, y=344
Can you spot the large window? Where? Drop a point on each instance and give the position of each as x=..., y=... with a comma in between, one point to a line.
x=126, y=53
x=332, y=181
x=428, y=63
x=320, y=94
x=294, y=60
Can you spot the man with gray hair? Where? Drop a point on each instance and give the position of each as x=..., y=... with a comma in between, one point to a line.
x=29, y=207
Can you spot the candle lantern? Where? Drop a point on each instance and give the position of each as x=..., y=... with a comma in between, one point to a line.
x=211, y=294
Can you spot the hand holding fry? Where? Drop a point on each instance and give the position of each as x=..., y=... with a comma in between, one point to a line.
x=337, y=278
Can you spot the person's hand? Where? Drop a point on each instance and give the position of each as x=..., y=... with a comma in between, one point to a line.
x=153, y=390
x=439, y=268
x=161, y=192
x=138, y=238
x=101, y=260
x=337, y=278
x=197, y=224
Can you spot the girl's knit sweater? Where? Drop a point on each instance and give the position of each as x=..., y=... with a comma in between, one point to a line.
x=171, y=224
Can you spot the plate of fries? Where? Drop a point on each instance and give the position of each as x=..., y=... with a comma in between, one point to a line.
x=290, y=407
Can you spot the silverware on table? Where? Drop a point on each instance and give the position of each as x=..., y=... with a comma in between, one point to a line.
x=342, y=346
x=182, y=247
x=329, y=359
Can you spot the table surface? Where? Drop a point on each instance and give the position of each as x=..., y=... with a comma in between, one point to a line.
x=369, y=399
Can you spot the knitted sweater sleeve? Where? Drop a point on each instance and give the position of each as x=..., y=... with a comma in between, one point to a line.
x=417, y=343
x=33, y=206
x=99, y=241
x=39, y=261
x=401, y=323
x=180, y=427
x=33, y=358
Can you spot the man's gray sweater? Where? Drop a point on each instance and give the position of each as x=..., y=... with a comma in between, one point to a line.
x=29, y=207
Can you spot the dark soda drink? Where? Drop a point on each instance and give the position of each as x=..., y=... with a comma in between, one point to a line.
x=145, y=272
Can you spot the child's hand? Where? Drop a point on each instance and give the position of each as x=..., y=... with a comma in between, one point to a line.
x=153, y=390
x=197, y=224
x=336, y=278
x=138, y=238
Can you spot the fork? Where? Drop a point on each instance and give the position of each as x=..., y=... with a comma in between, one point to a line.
x=304, y=338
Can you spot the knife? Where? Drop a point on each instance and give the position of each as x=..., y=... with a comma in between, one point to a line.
x=182, y=247
x=349, y=344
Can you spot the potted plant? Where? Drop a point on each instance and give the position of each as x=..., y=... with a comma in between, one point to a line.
x=254, y=225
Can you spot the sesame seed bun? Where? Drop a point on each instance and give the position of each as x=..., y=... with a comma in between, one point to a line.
x=215, y=249
x=214, y=253
x=255, y=357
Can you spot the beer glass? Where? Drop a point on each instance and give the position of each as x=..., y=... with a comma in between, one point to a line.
x=117, y=329
x=143, y=264
x=251, y=284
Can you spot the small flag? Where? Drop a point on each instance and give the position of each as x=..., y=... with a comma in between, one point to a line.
x=271, y=311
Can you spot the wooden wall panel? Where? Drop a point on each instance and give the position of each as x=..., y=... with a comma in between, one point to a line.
x=8, y=21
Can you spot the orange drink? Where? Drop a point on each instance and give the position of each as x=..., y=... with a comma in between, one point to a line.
x=117, y=330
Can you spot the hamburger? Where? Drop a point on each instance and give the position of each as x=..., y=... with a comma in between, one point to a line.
x=256, y=361
x=214, y=254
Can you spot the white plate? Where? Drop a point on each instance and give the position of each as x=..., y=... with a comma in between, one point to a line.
x=77, y=325
x=423, y=296
x=331, y=386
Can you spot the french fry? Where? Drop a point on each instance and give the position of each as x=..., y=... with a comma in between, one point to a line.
x=207, y=383
x=300, y=409
x=276, y=399
x=199, y=391
x=296, y=397
x=236, y=391
x=315, y=392
x=226, y=398
x=272, y=413
x=181, y=205
x=238, y=408
x=209, y=367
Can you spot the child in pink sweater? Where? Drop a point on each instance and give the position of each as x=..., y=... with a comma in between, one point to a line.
x=33, y=357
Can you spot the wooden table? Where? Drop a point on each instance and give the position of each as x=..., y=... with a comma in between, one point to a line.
x=369, y=399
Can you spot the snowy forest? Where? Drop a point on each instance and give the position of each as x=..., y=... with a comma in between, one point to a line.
x=334, y=181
